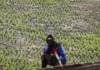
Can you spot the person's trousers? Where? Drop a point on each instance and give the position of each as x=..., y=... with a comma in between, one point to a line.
x=53, y=61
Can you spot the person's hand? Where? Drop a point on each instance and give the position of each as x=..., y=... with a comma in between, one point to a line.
x=42, y=57
x=48, y=57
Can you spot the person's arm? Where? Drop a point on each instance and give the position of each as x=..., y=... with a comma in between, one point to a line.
x=61, y=52
x=46, y=49
x=46, y=53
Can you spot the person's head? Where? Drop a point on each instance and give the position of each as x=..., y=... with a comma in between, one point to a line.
x=50, y=39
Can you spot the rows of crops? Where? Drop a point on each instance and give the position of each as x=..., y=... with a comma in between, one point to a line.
x=24, y=25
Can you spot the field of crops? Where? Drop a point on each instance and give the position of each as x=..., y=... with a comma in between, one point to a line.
x=24, y=25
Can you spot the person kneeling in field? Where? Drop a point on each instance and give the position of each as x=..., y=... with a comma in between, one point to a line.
x=53, y=53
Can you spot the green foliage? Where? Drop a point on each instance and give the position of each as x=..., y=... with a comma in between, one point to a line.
x=25, y=24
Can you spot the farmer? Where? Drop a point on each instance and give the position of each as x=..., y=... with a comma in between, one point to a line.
x=51, y=51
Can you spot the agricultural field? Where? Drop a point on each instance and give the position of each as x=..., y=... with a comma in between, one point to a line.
x=24, y=25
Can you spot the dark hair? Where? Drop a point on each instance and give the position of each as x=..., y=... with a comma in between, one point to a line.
x=50, y=37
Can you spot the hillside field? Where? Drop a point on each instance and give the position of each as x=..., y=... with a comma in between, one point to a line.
x=25, y=24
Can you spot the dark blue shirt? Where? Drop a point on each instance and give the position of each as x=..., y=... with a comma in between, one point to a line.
x=59, y=50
